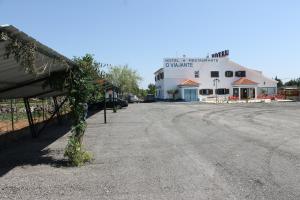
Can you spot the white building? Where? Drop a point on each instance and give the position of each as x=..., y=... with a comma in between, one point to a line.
x=194, y=79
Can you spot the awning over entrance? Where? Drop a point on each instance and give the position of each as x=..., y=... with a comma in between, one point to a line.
x=15, y=82
x=188, y=83
x=244, y=81
x=188, y=90
x=245, y=88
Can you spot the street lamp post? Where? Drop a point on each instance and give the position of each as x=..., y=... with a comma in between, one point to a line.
x=104, y=105
x=104, y=94
x=216, y=81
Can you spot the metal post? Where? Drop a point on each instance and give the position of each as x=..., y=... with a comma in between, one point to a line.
x=57, y=108
x=12, y=115
x=29, y=117
x=104, y=106
x=16, y=106
x=43, y=103
x=52, y=116
x=114, y=103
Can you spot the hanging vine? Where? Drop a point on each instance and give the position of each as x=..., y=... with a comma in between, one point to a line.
x=23, y=52
x=77, y=82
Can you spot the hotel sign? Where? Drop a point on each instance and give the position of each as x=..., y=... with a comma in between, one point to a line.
x=186, y=62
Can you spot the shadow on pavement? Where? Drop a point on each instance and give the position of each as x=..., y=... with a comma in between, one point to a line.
x=18, y=148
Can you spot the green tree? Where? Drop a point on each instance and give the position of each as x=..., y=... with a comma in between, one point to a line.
x=293, y=82
x=142, y=93
x=151, y=89
x=280, y=83
x=82, y=89
x=124, y=78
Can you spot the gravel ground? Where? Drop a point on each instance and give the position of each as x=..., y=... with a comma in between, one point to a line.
x=166, y=151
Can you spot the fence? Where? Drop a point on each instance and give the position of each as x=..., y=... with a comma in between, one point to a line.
x=13, y=113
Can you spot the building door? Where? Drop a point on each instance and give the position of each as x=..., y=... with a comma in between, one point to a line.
x=236, y=92
x=244, y=93
x=190, y=95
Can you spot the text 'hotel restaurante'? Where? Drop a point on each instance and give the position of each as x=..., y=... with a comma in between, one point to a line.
x=199, y=79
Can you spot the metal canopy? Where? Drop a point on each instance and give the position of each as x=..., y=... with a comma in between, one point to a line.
x=15, y=82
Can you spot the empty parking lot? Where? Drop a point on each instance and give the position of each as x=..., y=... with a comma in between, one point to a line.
x=169, y=151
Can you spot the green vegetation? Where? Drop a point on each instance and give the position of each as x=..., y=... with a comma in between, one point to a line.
x=126, y=79
x=23, y=52
x=151, y=89
x=144, y=92
x=280, y=83
x=75, y=153
x=78, y=81
x=292, y=82
x=81, y=90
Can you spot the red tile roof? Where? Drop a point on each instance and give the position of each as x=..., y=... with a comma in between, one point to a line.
x=244, y=81
x=189, y=83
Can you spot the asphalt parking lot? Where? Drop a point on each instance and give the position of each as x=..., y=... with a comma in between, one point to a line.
x=167, y=151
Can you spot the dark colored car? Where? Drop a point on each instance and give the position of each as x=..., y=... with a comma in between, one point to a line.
x=149, y=98
x=120, y=103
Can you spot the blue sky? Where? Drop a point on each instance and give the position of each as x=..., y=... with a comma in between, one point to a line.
x=260, y=34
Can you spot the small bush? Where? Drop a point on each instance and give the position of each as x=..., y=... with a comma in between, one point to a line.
x=75, y=153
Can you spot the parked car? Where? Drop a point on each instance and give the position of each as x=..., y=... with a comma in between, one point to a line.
x=149, y=98
x=133, y=99
x=120, y=103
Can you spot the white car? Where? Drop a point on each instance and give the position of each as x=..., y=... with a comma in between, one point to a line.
x=133, y=99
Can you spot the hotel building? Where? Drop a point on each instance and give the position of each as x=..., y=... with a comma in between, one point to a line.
x=199, y=79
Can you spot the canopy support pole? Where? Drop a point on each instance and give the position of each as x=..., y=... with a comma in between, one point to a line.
x=52, y=116
x=30, y=119
x=57, y=108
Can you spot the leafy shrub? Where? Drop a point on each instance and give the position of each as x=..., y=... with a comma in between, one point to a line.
x=75, y=153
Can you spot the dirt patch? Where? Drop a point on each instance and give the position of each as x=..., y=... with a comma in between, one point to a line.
x=5, y=126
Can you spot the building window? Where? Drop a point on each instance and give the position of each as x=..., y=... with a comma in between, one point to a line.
x=240, y=73
x=222, y=91
x=214, y=74
x=267, y=90
x=205, y=91
x=161, y=75
x=158, y=77
x=229, y=74
x=155, y=78
x=196, y=74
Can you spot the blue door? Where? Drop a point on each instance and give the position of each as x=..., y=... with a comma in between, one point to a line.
x=190, y=95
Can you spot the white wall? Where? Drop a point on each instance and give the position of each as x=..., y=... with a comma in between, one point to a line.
x=173, y=76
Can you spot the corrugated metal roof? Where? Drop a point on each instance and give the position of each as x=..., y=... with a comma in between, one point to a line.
x=15, y=82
